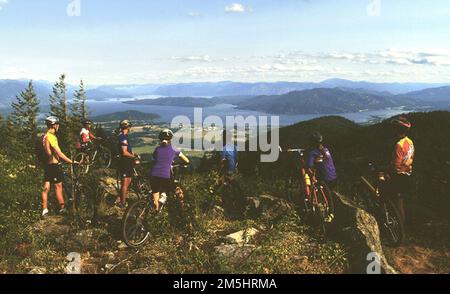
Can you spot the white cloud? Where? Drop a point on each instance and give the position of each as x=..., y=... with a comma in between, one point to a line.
x=235, y=8
x=194, y=14
x=3, y=3
x=199, y=58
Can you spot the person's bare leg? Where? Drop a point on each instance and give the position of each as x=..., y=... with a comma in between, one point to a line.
x=45, y=191
x=156, y=200
x=59, y=194
x=126, y=184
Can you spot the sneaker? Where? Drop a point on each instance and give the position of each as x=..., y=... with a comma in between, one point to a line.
x=63, y=211
x=45, y=213
x=163, y=198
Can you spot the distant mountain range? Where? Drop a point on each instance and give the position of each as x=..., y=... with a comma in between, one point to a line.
x=176, y=101
x=322, y=101
x=235, y=93
x=430, y=95
x=131, y=115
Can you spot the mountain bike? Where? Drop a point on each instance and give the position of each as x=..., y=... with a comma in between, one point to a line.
x=94, y=154
x=139, y=218
x=378, y=201
x=304, y=189
x=233, y=200
x=139, y=184
x=79, y=198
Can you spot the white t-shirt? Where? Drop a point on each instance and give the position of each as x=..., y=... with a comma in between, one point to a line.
x=85, y=135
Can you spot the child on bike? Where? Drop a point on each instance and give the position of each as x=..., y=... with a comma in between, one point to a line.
x=321, y=159
x=160, y=174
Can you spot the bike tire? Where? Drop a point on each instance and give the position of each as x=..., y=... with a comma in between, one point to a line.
x=141, y=187
x=85, y=204
x=134, y=226
x=324, y=208
x=393, y=230
x=104, y=158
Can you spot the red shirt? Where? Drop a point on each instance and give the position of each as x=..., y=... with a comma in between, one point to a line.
x=404, y=156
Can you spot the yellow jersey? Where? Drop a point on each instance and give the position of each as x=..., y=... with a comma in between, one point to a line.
x=52, y=140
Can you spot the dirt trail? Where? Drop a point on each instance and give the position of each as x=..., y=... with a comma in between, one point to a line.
x=427, y=248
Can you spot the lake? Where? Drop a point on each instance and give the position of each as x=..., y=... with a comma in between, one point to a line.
x=167, y=113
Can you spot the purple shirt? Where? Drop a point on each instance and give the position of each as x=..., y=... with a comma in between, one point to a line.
x=327, y=170
x=164, y=157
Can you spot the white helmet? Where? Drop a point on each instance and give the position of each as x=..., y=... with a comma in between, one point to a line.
x=51, y=121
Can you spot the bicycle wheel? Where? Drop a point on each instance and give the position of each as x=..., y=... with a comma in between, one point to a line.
x=104, y=158
x=84, y=163
x=85, y=203
x=141, y=187
x=134, y=227
x=323, y=207
x=392, y=228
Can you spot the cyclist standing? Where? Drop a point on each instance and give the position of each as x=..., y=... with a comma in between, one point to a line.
x=160, y=174
x=402, y=163
x=320, y=157
x=126, y=162
x=86, y=134
x=229, y=156
x=52, y=171
x=232, y=197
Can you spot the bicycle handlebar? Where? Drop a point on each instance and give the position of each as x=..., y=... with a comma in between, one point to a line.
x=297, y=150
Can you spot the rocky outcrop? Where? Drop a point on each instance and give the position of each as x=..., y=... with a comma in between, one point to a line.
x=359, y=230
x=267, y=206
x=242, y=236
x=235, y=253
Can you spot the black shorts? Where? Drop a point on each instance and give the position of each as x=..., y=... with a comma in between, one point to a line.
x=400, y=186
x=126, y=166
x=53, y=174
x=160, y=185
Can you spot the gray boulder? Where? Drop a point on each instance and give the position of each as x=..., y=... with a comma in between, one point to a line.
x=359, y=230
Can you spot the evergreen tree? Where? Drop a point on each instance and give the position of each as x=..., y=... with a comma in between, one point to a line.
x=59, y=108
x=24, y=116
x=80, y=101
x=78, y=112
x=3, y=143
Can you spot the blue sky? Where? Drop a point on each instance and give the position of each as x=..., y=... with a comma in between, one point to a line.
x=137, y=41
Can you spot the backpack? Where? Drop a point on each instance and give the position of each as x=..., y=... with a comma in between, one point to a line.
x=41, y=155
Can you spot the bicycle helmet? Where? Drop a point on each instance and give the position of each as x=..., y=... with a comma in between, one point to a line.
x=51, y=121
x=401, y=122
x=316, y=137
x=166, y=135
x=125, y=124
x=87, y=122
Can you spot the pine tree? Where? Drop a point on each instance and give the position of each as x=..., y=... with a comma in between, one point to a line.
x=78, y=112
x=59, y=108
x=80, y=101
x=24, y=115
